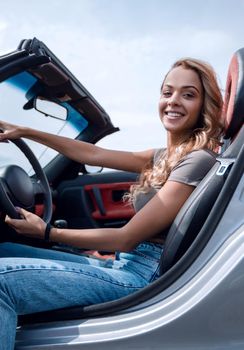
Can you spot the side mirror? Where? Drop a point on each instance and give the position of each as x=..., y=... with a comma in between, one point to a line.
x=50, y=108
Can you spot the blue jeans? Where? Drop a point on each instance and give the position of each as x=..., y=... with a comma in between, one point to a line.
x=35, y=279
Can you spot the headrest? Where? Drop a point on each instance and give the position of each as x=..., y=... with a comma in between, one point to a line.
x=234, y=96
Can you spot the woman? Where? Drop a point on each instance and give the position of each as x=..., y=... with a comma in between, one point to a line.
x=33, y=279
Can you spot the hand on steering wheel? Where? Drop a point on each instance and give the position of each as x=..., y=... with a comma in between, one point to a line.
x=18, y=189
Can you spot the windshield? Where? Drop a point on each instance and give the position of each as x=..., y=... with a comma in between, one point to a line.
x=16, y=107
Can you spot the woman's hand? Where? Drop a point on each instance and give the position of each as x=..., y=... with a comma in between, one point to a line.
x=10, y=131
x=29, y=225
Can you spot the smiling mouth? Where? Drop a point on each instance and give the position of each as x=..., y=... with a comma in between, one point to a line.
x=174, y=115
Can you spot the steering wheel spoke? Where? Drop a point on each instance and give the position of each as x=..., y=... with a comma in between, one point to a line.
x=37, y=187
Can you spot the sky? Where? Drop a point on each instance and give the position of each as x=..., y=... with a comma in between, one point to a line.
x=120, y=50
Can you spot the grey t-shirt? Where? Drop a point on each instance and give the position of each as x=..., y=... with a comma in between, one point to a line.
x=190, y=170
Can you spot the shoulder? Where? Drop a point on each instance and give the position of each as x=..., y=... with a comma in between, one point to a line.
x=158, y=152
x=204, y=158
x=193, y=167
x=201, y=154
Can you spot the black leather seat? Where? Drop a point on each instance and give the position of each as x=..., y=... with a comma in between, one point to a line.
x=194, y=213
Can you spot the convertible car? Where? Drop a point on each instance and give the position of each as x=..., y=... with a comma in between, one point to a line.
x=197, y=303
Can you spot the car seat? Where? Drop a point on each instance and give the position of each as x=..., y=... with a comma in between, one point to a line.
x=196, y=210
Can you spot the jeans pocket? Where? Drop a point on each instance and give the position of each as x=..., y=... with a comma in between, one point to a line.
x=143, y=261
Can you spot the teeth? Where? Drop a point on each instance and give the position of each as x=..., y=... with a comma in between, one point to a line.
x=174, y=114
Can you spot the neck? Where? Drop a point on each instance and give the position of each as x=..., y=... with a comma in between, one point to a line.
x=174, y=141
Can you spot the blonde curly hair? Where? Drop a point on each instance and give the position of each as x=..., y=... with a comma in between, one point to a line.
x=206, y=134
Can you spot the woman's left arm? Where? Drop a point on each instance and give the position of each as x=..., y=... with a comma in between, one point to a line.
x=152, y=219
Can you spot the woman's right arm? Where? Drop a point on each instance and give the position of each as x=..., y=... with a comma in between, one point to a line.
x=80, y=151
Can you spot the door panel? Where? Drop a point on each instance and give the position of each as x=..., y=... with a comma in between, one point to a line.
x=108, y=201
x=95, y=200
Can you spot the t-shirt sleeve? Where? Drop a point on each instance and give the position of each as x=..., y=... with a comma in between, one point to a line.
x=193, y=167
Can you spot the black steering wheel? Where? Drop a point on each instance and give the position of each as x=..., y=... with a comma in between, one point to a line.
x=17, y=189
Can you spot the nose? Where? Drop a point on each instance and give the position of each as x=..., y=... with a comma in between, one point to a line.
x=174, y=99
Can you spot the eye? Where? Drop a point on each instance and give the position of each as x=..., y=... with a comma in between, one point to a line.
x=188, y=95
x=166, y=93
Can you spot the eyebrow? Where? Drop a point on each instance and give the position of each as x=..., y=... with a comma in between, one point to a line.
x=184, y=87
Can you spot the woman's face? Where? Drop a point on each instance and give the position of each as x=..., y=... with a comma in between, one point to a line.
x=181, y=101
